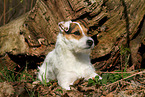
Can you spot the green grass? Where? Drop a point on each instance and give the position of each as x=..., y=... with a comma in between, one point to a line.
x=12, y=76
x=44, y=80
x=108, y=78
x=124, y=58
x=7, y=75
x=31, y=93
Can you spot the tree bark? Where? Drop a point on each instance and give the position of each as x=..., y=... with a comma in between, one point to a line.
x=112, y=23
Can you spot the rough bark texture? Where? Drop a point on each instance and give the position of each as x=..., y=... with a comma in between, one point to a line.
x=112, y=23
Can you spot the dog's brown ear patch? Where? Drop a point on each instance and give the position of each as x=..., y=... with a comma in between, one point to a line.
x=64, y=26
x=74, y=32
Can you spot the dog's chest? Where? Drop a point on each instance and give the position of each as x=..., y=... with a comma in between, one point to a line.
x=74, y=63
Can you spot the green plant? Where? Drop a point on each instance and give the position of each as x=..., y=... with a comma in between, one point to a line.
x=12, y=75
x=60, y=90
x=44, y=79
x=124, y=59
x=31, y=92
x=94, y=82
x=117, y=76
x=25, y=76
x=7, y=75
x=108, y=78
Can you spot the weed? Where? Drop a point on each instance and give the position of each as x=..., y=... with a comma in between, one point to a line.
x=44, y=77
x=94, y=82
x=116, y=76
x=124, y=58
x=31, y=92
x=108, y=78
x=12, y=76
x=60, y=90
x=7, y=75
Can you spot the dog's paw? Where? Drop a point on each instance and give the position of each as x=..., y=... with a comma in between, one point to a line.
x=66, y=87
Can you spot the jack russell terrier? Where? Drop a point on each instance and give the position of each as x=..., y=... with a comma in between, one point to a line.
x=70, y=60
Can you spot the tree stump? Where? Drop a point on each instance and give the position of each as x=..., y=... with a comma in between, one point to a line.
x=112, y=24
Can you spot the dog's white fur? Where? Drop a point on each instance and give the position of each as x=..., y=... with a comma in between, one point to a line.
x=69, y=60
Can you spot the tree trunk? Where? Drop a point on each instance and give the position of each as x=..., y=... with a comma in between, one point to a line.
x=112, y=23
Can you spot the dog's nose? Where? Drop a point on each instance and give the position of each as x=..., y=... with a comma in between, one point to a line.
x=89, y=42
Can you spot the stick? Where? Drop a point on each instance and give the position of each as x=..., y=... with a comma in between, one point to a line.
x=127, y=77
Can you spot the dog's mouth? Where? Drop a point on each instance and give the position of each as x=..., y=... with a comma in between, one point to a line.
x=88, y=48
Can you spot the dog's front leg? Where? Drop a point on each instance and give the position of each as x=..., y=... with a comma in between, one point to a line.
x=66, y=79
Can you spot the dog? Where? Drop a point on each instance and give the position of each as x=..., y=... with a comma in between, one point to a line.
x=70, y=60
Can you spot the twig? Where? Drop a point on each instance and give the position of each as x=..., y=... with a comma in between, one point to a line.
x=31, y=4
x=4, y=13
x=126, y=78
x=134, y=84
x=117, y=72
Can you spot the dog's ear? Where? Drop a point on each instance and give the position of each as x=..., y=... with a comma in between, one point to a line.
x=64, y=26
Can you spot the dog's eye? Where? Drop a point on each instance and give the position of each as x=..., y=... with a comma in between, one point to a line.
x=76, y=33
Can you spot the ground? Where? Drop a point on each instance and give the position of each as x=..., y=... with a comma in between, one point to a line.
x=114, y=84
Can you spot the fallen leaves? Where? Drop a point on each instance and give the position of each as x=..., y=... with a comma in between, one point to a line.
x=132, y=85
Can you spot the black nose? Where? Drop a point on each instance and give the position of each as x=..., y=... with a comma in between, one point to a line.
x=89, y=42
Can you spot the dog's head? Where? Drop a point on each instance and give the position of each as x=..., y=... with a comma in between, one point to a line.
x=75, y=35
